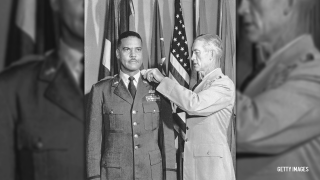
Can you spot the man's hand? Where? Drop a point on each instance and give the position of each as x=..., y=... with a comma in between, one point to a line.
x=152, y=75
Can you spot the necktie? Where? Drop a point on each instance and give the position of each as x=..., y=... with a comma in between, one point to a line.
x=194, y=87
x=254, y=74
x=131, y=87
x=81, y=80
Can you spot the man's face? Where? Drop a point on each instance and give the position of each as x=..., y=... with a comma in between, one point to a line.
x=72, y=15
x=201, y=57
x=262, y=19
x=130, y=54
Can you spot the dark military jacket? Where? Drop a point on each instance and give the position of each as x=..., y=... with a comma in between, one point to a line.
x=41, y=122
x=129, y=138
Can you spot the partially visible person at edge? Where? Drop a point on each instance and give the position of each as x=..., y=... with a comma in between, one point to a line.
x=130, y=129
x=209, y=109
x=41, y=107
x=278, y=117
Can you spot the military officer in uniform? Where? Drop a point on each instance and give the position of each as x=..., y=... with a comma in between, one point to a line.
x=278, y=117
x=130, y=130
x=209, y=109
x=42, y=127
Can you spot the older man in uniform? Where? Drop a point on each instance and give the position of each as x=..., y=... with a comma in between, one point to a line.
x=41, y=108
x=209, y=108
x=130, y=129
x=278, y=117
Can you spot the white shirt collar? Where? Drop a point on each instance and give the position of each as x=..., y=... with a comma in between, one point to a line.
x=207, y=75
x=125, y=78
x=72, y=58
x=284, y=48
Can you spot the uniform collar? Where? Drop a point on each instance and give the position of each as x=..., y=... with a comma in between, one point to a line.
x=70, y=55
x=298, y=43
x=214, y=73
x=125, y=78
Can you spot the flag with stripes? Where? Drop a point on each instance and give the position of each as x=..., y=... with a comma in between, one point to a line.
x=179, y=66
x=119, y=18
x=179, y=71
x=108, y=58
x=158, y=58
x=32, y=30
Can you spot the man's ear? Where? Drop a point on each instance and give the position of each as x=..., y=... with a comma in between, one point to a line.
x=213, y=55
x=118, y=54
x=55, y=5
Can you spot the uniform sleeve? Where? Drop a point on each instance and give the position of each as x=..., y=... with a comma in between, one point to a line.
x=94, y=117
x=7, y=138
x=278, y=119
x=218, y=96
x=169, y=150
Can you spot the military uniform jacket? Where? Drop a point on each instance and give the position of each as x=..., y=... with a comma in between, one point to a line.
x=41, y=122
x=209, y=108
x=278, y=119
x=129, y=138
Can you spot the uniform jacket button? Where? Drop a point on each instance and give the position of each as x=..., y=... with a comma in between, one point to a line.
x=134, y=112
x=134, y=123
x=136, y=136
x=39, y=145
x=136, y=147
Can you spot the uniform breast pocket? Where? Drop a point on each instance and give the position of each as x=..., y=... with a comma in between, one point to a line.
x=151, y=115
x=114, y=117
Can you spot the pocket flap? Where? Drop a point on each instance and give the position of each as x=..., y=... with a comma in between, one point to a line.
x=155, y=157
x=115, y=109
x=208, y=150
x=111, y=159
x=150, y=107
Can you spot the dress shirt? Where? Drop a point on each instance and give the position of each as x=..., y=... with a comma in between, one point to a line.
x=125, y=78
x=72, y=57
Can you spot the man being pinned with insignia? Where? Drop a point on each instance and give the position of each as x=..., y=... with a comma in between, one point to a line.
x=130, y=130
x=209, y=109
x=278, y=111
x=42, y=127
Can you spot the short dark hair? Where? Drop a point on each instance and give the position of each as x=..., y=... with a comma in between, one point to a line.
x=128, y=34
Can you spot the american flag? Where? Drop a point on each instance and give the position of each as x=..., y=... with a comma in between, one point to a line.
x=179, y=66
x=179, y=70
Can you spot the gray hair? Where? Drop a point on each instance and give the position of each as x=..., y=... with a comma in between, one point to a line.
x=212, y=42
